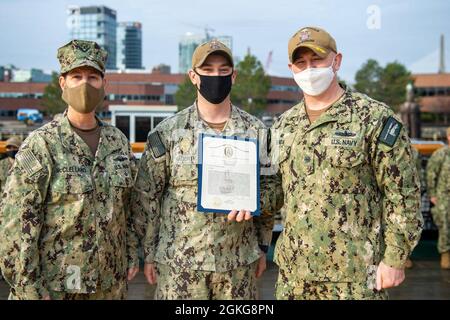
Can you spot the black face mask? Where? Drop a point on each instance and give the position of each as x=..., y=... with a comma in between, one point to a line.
x=12, y=153
x=215, y=88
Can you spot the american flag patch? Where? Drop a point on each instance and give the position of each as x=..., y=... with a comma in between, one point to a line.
x=28, y=162
x=156, y=145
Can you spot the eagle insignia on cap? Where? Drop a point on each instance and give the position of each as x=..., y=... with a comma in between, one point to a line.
x=304, y=35
x=214, y=45
x=82, y=46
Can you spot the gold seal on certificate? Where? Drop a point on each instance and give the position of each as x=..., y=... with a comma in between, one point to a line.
x=228, y=172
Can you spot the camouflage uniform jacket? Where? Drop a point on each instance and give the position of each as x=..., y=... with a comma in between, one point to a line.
x=63, y=223
x=165, y=201
x=351, y=191
x=438, y=174
x=5, y=166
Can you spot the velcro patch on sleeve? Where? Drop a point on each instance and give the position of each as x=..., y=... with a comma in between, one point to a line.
x=390, y=132
x=28, y=162
x=156, y=144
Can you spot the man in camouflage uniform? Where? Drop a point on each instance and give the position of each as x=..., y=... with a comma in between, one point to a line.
x=350, y=192
x=438, y=184
x=12, y=146
x=194, y=255
x=63, y=222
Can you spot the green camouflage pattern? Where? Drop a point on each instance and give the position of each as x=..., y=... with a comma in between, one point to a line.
x=289, y=287
x=351, y=201
x=418, y=161
x=164, y=203
x=438, y=185
x=64, y=221
x=179, y=284
x=5, y=166
x=117, y=292
x=79, y=53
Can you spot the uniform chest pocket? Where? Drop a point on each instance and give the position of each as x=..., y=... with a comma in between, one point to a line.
x=184, y=175
x=122, y=179
x=345, y=157
x=119, y=172
x=69, y=187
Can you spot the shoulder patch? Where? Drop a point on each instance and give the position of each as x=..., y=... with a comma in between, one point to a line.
x=28, y=161
x=390, y=132
x=156, y=144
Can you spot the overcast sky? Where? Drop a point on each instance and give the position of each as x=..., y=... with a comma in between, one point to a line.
x=407, y=30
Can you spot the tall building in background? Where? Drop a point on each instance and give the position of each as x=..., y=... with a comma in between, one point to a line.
x=95, y=23
x=186, y=48
x=190, y=41
x=129, y=45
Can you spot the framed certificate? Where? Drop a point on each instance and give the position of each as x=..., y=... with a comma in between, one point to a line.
x=228, y=174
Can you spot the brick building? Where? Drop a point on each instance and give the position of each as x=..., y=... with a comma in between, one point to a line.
x=136, y=88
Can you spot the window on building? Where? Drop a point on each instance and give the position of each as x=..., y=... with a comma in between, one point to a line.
x=123, y=123
x=169, y=99
x=440, y=91
x=157, y=120
x=143, y=127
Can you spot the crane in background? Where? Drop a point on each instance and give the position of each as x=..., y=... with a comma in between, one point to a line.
x=268, y=62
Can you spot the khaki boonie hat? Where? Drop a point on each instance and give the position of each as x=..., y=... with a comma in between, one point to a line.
x=204, y=50
x=80, y=53
x=316, y=39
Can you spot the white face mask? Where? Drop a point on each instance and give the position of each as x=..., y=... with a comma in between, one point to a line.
x=314, y=81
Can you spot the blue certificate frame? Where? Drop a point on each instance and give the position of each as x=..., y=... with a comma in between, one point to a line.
x=200, y=208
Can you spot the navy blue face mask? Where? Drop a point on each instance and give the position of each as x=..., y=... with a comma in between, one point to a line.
x=215, y=88
x=12, y=153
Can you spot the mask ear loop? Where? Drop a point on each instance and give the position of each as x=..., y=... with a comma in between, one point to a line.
x=195, y=71
x=332, y=63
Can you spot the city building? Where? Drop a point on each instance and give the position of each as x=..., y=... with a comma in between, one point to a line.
x=19, y=95
x=136, y=121
x=95, y=23
x=137, y=89
x=31, y=75
x=190, y=41
x=186, y=48
x=129, y=45
x=161, y=68
x=432, y=92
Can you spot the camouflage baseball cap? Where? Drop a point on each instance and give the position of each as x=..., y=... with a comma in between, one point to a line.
x=14, y=141
x=79, y=53
x=316, y=39
x=205, y=49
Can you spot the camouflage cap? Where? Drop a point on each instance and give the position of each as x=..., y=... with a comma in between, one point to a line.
x=14, y=141
x=316, y=39
x=79, y=53
x=205, y=49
